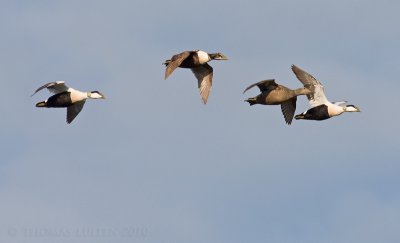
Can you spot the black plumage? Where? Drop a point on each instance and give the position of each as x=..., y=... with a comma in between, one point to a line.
x=62, y=99
x=318, y=113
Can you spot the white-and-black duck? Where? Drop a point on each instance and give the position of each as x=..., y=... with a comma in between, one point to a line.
x=321, y=107
x=197, y=61
x=66, y=97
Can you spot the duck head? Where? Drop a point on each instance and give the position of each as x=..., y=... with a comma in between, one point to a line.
x=218, y=56
x=95, y=95
x=351, y=108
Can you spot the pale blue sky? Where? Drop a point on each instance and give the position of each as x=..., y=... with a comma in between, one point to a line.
x=152, y=164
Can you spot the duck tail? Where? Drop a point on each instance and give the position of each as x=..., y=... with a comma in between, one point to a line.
x=166, y=62
x=41, y=104
x=252, y=101
x=299, y=116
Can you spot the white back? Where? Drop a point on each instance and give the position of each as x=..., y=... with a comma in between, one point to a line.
x=318, y=98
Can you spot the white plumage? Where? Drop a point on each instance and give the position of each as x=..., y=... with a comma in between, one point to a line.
x=203, y=57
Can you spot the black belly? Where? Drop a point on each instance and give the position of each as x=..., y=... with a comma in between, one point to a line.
x=59, y=100
x=318, y=113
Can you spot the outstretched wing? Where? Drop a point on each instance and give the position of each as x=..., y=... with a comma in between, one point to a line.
x=340, y=103
x=318, y=97
x=175, y=62
x=204, y=74
x=73, y=110
x=288, y=108
x=264, y=85
x=54, y=87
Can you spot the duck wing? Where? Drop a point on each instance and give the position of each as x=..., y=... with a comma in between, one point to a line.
x=264, y=85
x=204, y=74
x=288, y=108
x=54, y=87
x=73, y=110
x=318, y=97
x=340, y=103
x=175, y=62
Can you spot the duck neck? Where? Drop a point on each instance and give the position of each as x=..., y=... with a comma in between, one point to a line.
x=77, y=95
x=302, y=91
x=80, y=94
x=212, y=55
x=335, y=110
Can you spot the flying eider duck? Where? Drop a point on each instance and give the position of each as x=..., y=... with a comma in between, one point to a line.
x=276, y=94
x=321, y=107
x=67, y=97
x=197, y=62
